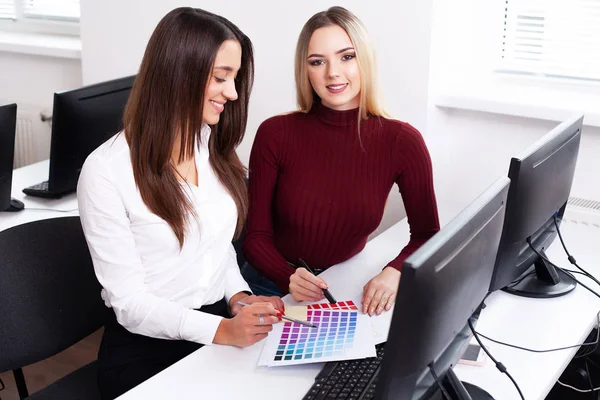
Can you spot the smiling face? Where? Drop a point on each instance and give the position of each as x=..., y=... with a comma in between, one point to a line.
x=333, y=68
x=221, y=84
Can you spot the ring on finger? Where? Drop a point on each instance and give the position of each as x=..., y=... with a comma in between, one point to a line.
x=261, y=320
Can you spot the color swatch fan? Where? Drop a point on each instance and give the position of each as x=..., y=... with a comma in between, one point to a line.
x=340, y=305
x=342, y=333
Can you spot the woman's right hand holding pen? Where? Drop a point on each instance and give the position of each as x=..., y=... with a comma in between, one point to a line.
x=305, y=286
x=250, y=325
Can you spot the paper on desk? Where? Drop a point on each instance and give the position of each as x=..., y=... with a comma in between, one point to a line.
x=342, y=334
x=380, y=324
x=296, y=312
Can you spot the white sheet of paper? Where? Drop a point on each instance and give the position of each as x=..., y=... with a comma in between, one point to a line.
x=307, y=350
x=380, y=324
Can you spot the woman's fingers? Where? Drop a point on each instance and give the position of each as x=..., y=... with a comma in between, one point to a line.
x=302, y=294
x=307, y=281
x=311, y=279
x=379, y=293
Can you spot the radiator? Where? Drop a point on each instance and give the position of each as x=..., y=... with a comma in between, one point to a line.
x=32, y=141
x=583, y=211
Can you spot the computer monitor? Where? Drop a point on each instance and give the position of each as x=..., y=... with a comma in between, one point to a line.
x=541, y=178
x=82, y=119
x=442, y=285
x=8, y=127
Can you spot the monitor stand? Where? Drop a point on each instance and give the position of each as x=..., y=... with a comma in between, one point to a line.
x=459, y=390
x=15, y=205
x=544, y=281
x=476, y=392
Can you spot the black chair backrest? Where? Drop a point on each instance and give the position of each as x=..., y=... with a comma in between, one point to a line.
x=49, y=294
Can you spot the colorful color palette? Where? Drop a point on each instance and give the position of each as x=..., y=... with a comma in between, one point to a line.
x=333, y=337
x=340, y=305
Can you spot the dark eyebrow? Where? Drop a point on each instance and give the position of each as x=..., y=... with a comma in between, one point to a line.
x=337, y=52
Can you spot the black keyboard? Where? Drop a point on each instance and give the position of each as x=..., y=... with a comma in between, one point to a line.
x=42, y=190
x=352, y=379
x=40, y=186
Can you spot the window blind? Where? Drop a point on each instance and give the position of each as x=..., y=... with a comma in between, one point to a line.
x=63, y=10
x=7, y=9
x=553, y=38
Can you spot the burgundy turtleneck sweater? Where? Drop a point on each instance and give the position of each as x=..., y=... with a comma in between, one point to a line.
x=317, y=194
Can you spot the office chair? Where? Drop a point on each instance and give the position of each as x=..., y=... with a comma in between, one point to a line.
x=50, y=300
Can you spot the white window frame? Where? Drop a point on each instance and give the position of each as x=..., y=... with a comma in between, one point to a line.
x=466, y=72
x=32, y=25
x=538, y=40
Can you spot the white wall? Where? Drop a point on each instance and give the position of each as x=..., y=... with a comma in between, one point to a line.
x=400, y=31
x=34, y=79
x=30, y=81
x=471, y=149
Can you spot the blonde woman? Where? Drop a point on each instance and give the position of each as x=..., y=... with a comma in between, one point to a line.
x=320, y=177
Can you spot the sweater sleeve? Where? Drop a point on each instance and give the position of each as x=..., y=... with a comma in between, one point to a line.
x=259, y=247
x=415, y=182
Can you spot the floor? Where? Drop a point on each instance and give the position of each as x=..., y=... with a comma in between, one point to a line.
x=41, y=374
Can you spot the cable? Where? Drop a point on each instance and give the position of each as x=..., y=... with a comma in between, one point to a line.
x=587, y=370
x=557, y=267
x=568, y=272
x=499, y=365
x=50, y=209
x=437, y=380
x=583, y=272
x=573, y=271
x=569, y=256
x=586, y=352
x=577, y=389
x=592, y=361
x=580, y=283
x=548, y=350
x=515, y=283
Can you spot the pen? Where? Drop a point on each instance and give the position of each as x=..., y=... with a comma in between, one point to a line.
x=326, y=292
x=280, y=315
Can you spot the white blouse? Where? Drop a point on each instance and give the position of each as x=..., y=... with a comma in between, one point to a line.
x=152, y=285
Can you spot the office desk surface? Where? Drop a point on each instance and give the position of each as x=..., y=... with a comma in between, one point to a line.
x=36, y=208
x=222, y=372
x=539, y=324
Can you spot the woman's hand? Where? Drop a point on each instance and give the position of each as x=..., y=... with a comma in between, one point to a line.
x=251, y=324
x=251, y=299
x=380, y=292
x=304, y=286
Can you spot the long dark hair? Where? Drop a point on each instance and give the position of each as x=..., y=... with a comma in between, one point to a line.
x=167, y=99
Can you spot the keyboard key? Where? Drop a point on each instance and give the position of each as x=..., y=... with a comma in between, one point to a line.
x=347, y=379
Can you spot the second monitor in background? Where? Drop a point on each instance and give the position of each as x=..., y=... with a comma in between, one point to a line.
x=541, y=179
x=8, y=125
x=82, y=119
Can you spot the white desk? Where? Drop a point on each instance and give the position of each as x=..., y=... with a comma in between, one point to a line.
x=539, y=324
x=221, y=372
x=31, y=175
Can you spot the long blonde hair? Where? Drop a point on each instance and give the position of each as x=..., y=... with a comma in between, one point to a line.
x=370, y=104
